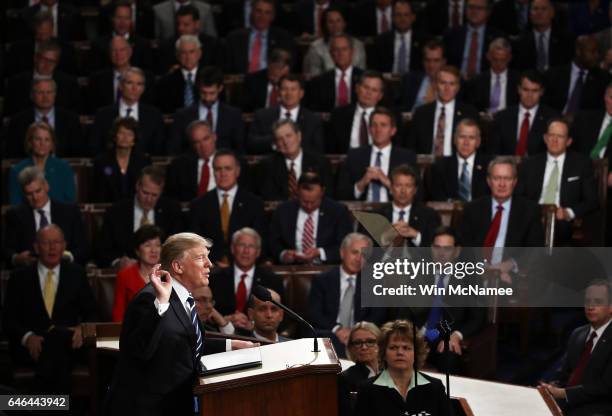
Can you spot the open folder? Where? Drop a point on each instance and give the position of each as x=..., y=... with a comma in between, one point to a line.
x=225, y=362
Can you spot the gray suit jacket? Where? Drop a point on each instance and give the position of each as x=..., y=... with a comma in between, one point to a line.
x=164, y=19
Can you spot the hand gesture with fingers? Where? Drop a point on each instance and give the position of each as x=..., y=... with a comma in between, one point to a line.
x=163, y=289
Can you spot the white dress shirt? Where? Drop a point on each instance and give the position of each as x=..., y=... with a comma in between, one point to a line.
x=574, y=76
x=550, y=164
x=396, y=49
x=139, y=212
x=348, y=77
x=299, y=231
x=536, y=36
x=53, y=11
x=193, y=73
x=356, y=126
x=521, y=115
x=470, y=161
x=248, y=281
x=123, y=109
x=384, y=166
x=379, y=16
x=344, y=284
x=211, y=175
x=293, y=113
x=396, y=217
x=500, y=242
x=38, y=116
x=231, y=194
x=297, y=165
x=449, y=114
x=461, y=10
x=203, y=113
x=42, y=279
x=503, y=81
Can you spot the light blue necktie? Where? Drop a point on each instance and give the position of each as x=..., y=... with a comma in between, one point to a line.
x=496, y=94
x=401, y=56
x=376, y=185
x=188, y=94
x=465, y=183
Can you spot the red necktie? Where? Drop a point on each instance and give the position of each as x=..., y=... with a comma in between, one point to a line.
x=308, y=234
x=204, y=178
x=473, y=55
x=241, y=294
x=209, y=117
x=342, y=98
x=273, y=101
x=493, y=231
x=364, y=138
x=576, y=376
x=384, y=23
x=292, y=182
x=521, y=146
x=255, y=53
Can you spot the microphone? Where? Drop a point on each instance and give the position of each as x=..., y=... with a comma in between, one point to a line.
x=263, y=294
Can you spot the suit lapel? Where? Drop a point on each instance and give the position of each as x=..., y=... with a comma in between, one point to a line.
x=322, y=226
x=513, y=218
x=236, y=210
x=451, y=176
x=335, y=295
x=181, y=314
x=61, y=290
x=291, y=225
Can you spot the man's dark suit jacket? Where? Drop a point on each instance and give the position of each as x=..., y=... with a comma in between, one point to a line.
x=20, y=57
x=144, y=19
x=68, y=134
x=102, y=93
x=524, y=223
x=357, y=162
x=261, y=137
x=339, y=129
x=304, y=15
x=436, y=17
x=21, y=230
x=229, y=129
x=182, y=182
x=560, y=49
x=205, y=219
x=170, y=92
x=25, y=311
x=222, y=287
x=321, y=91
x=334, y=224
x=585, y=131
x=409, y=90
x=151, y=138
x=237, y=48
x=324, y=302
x=422, y=218
x=505, y=17
x=118, y=227
x=442, y=180
x=380, y=56
x=142, y=55
x=157, y=368
x=212, y=53
x=558, y=83
x=422, y=128
x=505, y=131
x=592, y=396
x=255, y=91
x=69, y=20
x=273, y=174
x=455, y=44
x=578, y=189
x=362, y=19
x=479, y=90
x=19, y=87
x=108, y=181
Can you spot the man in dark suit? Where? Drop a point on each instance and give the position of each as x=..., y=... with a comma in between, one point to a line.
x=334, y=302
x=232, y=286
x=518, y=130
x=371, y=17
x=266, y=318
x=463, y=175
x=495, y=89
x=510, y=16
x=45, y=305
x=261, y=88
x=248, y=48
x=432, y=126
x=589, y=130
x=23, y=221
x=236, y=14
x=46, y=60
x=225, y=119
x=162, y=317
x=399, y=50
x=418, y=88
x=365, y=172
x=581, y=388
x=226, y=208
x=150, y=123
x=142, y=18
x=333, y=88
x=309, y=229
x=561, y=177
x=291, y=91
x=126, y=216
x=280, y=172
x=65, y=123
x=442, y=15
x=309, y=15
x=579, y=85
x=67, y=22
x=543, y=45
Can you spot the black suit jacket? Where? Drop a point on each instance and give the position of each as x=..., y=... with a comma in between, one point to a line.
x=321, y=91
x=455, y=44
x=69, y=21
x=69, y=137
x=560, y=49
x=25, y=311
x=118, y=227
x=334, y=224
x=524, y=223
x=237, y=48
x=592, y=396
x=585, y=131
x=558, y=83
x=479, y=90
x=205, y=219
x=409, y=90
x=357, y=162
x=578, y=189
x=222, y=286
x=422, y=218
x=229, y=129
x=142, y=55
x=422, y=128
x=212, y=53
x=505, y=17
x=144, y=19
x=505, y=131
x=380, y=56
x=436, y=16
x=255, y=91
x=362, y=19
x=20, y=56
x=102, y=93
x=442, y=180
x=150, y=125
x=170, y=92
x=21, y=230
x=261, y=138
x=157, y=369
x=304, y=15
x=182, y=182
x=273, y=174
x=109, y=185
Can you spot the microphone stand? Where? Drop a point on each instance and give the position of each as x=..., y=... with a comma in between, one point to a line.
x=445, y=332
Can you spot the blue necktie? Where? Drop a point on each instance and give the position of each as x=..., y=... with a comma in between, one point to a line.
x=376, y=185
x=43, y=219
x=188, y=93
x=401, y=56
x=196, y=326
x=402, y=214
x=435, y=313
x=465, y=183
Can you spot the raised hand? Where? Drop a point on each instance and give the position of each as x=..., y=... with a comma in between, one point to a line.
x=162, y=289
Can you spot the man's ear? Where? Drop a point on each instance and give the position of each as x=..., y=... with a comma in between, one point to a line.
x=176, y=267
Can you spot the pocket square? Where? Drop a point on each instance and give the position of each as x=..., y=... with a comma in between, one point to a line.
x=573, y=178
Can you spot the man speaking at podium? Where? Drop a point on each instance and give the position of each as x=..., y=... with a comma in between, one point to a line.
x=161, y=340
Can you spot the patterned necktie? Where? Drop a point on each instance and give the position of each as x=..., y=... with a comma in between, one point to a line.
x=364, y=138
x=225, y=216
x=465, y=185
x=308, y=241
x=44, y=221
x=542, y=57
x=144, y=220
x=188, y=93
x=49, y=292
x=550, y=193
x=254, y=62
x=472, y=64
x=292, y=182
x=376, y=185
x=346, y=304
x=402, y=56
x=495, y=95
x=576, y=376
x=573, y=104
x=602, y=142
x=241, y=293
x=197, y=350
x=521, y=146
x=204, y=178
x=440, y=130
x=342, y=97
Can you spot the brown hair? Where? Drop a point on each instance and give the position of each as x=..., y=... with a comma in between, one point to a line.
x=29, y=137
x=176, y=245
x=402, y=329
x=128, y=123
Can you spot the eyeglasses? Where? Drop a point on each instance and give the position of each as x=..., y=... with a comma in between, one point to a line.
x=363, y=342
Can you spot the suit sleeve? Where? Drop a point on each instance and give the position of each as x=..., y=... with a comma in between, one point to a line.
x=13, y=316
x=316, y=305
x=77, y=242
x=88, y=307
x=317, y=144
x=592, y=390
x=275, y=237
x=141, y=329
x=345, y=184
x=588, y=193
x=343, y=225
x=260, y=137
x=238, y=133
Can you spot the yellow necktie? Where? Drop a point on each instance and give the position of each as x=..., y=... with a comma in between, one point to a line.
x=49, y=293
x=225, y=217
x=145, y=218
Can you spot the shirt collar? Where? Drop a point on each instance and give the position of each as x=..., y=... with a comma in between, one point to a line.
x=181, y=291
x=502, y=75
x=406, y=209
x=178, y=5
x=344, y=275
x=230, y=192
x=385, y=380
x=238, y=272
x=47, y=209
x=560, y=159
x=546, y=33
x=294, y=113
x=505, y=205
x=386, y=151
x=42, y=271
x=470, y=159
x=576, y=69
x=212, y=107
x=49, y=115
x=193, y=73
x=123, y=106
x=448, y=105
x=262, y=338
x=599, y=331
x=405, y=35
x=297, y=160
x=532, y=111
x=347, y=72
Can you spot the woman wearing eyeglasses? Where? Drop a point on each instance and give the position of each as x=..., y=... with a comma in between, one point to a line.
x=363, y=350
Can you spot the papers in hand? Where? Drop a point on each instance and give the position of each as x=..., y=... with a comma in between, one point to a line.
x=225, y=362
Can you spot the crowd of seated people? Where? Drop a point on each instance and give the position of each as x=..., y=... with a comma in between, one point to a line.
x=248, y=103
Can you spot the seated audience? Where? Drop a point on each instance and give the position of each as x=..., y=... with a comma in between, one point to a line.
x=262, y=88
x=166, y=22
x=209, y=317
x=67, y=22
x=266, y=318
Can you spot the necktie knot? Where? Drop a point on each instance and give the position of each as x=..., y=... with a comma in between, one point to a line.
x=288, y=115
x=402, y=215
x=189, y=77
x=351, y=281
x=527, y=115
x=190, y=301
x=581, y=74
x=442, y=109
x=225, y=196
x=243, y=276
x=500, y=208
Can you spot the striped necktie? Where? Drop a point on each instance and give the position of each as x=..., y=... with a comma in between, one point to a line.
x=196, y=327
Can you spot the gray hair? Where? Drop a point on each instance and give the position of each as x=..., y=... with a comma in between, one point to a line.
x=133, y=70
x=500, y=43
x=349, y=238
x=364, y=326
x=40, y=79
x=187, y=39
x=286, y=122
x=29, y=175
x=247, y=231
x=502, y=160
x=197, y=123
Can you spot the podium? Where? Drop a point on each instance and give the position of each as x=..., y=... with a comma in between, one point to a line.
x=292, y=380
